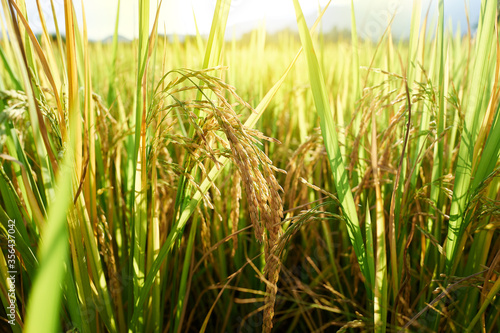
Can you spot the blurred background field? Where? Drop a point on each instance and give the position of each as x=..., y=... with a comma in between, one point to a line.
x=302, y=180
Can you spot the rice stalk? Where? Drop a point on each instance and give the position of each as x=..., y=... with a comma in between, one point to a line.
x=473, y=114
x=331, y=142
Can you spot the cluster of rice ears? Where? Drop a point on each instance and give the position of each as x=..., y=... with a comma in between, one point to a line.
x=343, y=186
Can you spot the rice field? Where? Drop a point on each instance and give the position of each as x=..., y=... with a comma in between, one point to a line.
x=162, y=185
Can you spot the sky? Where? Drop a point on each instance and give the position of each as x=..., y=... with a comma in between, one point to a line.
x=178, y=16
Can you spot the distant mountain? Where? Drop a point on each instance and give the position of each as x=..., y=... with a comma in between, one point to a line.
x=371, y=20
x=121, y=39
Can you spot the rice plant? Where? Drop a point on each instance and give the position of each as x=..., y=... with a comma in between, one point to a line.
x=167, y=186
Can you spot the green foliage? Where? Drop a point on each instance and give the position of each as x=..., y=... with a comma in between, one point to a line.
x=139, y=176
